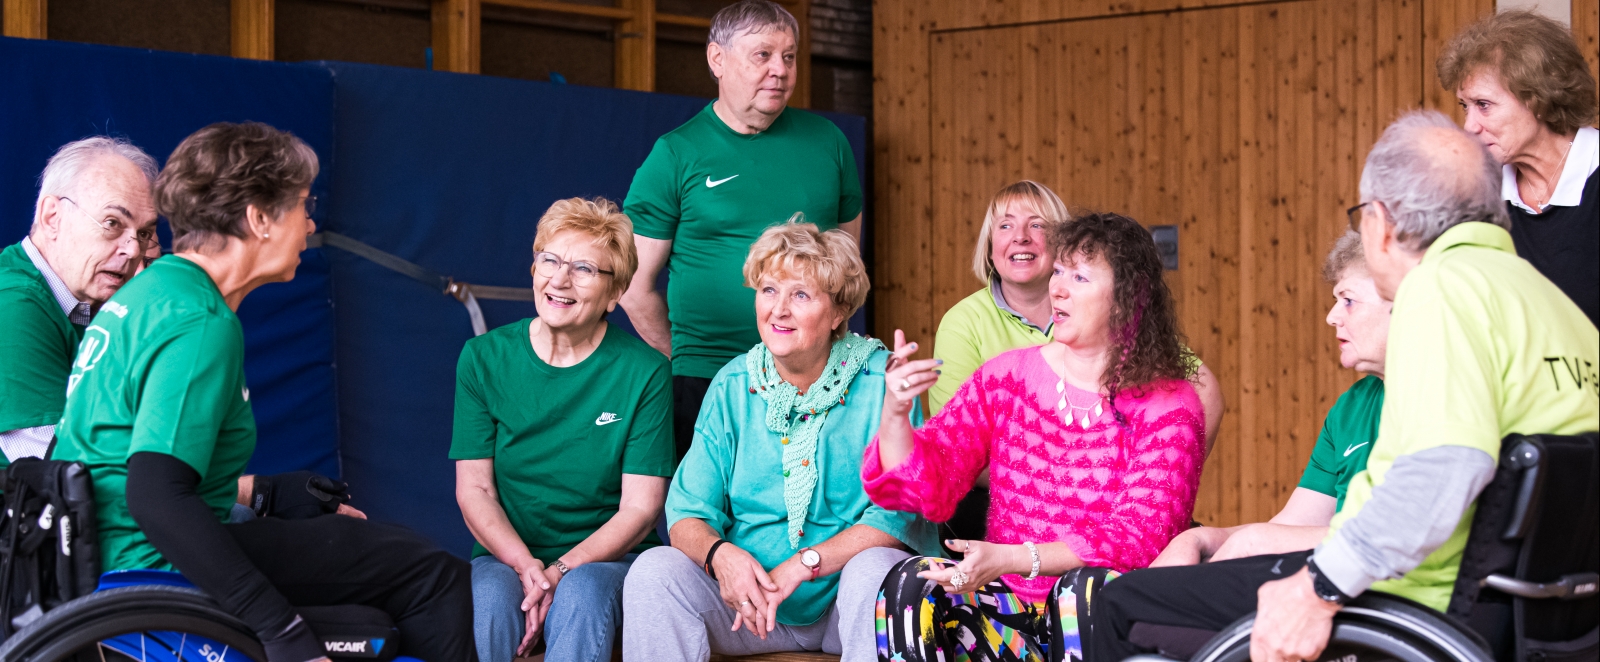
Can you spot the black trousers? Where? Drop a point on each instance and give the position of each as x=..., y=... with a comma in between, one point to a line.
x=1176, y=609
x=338, y=560
x=687, y=395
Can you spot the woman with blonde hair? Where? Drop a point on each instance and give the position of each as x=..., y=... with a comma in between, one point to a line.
x=772, y=533
x=563, y=446
x=1529, y=97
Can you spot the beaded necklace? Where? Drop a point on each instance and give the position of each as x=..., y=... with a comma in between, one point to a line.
x=798, y=418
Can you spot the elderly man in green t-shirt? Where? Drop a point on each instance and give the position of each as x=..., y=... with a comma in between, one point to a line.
x=709, y=188
x=92, y=224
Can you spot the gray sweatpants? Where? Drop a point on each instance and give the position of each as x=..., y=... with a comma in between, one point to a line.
x=672, y=611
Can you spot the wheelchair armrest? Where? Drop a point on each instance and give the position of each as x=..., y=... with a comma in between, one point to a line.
x=1569, y=587
x=1527, y=457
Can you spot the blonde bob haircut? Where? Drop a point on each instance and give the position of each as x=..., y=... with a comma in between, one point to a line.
x=606, y=227
x=1044, y=202
x=1535, y=58
x=830, y=259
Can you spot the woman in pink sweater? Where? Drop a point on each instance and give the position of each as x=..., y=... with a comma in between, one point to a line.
x=1094, y=444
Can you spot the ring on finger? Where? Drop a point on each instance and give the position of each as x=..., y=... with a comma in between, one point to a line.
x=744, y=603
x=958, y=579
x=904, y=384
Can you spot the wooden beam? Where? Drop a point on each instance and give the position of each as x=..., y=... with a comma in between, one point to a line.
x=252, y=28
x=457, y=25
x=636, y=46
x=802, y=80
x=571, y=8
x=685, y=21
x=25, y=18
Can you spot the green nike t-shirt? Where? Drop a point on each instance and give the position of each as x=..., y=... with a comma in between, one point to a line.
x=561, y=438
x=712, y=191
x=35, y=349
x=160, y=369
x=1346, y=439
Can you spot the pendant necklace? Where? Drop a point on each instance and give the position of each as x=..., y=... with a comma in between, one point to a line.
x=1069, y=410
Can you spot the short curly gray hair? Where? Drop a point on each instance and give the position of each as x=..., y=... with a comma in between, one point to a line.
x=1425, y=191
x=749, y=16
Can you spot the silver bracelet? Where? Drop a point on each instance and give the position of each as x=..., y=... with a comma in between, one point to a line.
x=1034, y=552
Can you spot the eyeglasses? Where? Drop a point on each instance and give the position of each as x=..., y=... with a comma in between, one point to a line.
x=1354, y=213
x=311, y=205
x=115, y=228
x=582, y=272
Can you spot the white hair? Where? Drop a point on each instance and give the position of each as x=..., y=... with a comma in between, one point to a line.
x=60, y=176
x=1427, y=190
x=749, y=16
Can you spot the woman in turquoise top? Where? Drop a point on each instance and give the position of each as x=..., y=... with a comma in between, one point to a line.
x=775, y=545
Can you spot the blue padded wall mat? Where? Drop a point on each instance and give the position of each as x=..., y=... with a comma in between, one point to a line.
x=452, y=172
x=54, y=92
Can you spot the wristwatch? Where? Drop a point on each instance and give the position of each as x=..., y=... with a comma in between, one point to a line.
x=560, y=567
x=812, y=561
x=1324, y=587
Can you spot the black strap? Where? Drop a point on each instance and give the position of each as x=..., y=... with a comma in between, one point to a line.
x=467, y=293
x=711, y=553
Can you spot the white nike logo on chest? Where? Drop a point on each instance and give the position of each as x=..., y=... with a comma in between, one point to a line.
x=714, y=184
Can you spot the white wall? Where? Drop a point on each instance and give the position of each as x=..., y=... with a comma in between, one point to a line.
x=1560, y=10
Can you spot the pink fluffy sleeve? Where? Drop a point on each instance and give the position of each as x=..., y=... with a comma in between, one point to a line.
x=947, y=454
x=1165, y=455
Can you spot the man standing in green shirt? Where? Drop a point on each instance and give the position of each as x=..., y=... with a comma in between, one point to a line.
x=709, y=188
x=92, y=224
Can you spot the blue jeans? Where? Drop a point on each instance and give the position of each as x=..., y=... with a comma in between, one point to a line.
x=582, y=623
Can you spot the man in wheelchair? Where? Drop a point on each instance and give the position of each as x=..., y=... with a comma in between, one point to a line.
x=159, y=412
x=1477, y=341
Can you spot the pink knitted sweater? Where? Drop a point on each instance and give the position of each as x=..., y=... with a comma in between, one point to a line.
x=1115, y=496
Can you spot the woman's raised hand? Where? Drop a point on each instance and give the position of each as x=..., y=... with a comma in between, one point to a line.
x=905, y=379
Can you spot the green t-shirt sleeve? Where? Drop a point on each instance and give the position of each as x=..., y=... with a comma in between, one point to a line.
x=954, y=345
x=654, y=201
x=1322, y=470
x=650, y=448
x=33, y=384
x=850, y=198
x=701, y=486
x=189, y=384
x=473, y=432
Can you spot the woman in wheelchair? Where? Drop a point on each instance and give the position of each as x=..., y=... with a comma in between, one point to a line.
x=159, y=412
x=1094, y=443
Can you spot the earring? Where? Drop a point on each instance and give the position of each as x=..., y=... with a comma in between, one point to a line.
x=264, y=235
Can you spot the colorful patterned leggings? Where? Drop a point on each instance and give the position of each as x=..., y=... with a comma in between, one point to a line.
x=918, y=621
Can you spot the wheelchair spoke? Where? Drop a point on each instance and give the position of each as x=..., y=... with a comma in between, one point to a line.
x=181, y=641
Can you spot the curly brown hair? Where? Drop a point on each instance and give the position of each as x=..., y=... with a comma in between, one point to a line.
x=1536, y=59
x=1147, y=344
x=219, y=171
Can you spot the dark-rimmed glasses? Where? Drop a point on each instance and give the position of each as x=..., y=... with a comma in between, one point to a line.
x=583, y=272
x=1354, y=213
x=114, y=227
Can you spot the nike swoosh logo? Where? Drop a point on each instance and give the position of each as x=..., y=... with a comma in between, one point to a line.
x=714, y=184
x=1352, y=449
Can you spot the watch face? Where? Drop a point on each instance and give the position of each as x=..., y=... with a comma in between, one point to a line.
x=811, y=558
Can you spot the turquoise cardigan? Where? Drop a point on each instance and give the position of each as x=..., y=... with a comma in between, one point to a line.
x=732, y=479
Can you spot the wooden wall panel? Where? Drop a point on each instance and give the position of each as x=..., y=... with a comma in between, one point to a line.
x=1245, y=125
x=1586, y=28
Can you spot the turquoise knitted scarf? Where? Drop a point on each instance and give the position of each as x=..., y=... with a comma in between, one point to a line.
x=798, y=418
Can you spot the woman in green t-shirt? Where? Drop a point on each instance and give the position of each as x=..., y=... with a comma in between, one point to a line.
x=563, y=447
x=158, y=409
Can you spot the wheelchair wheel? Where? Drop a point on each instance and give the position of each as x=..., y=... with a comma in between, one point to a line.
x=149, y=622
x=1373, y=628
